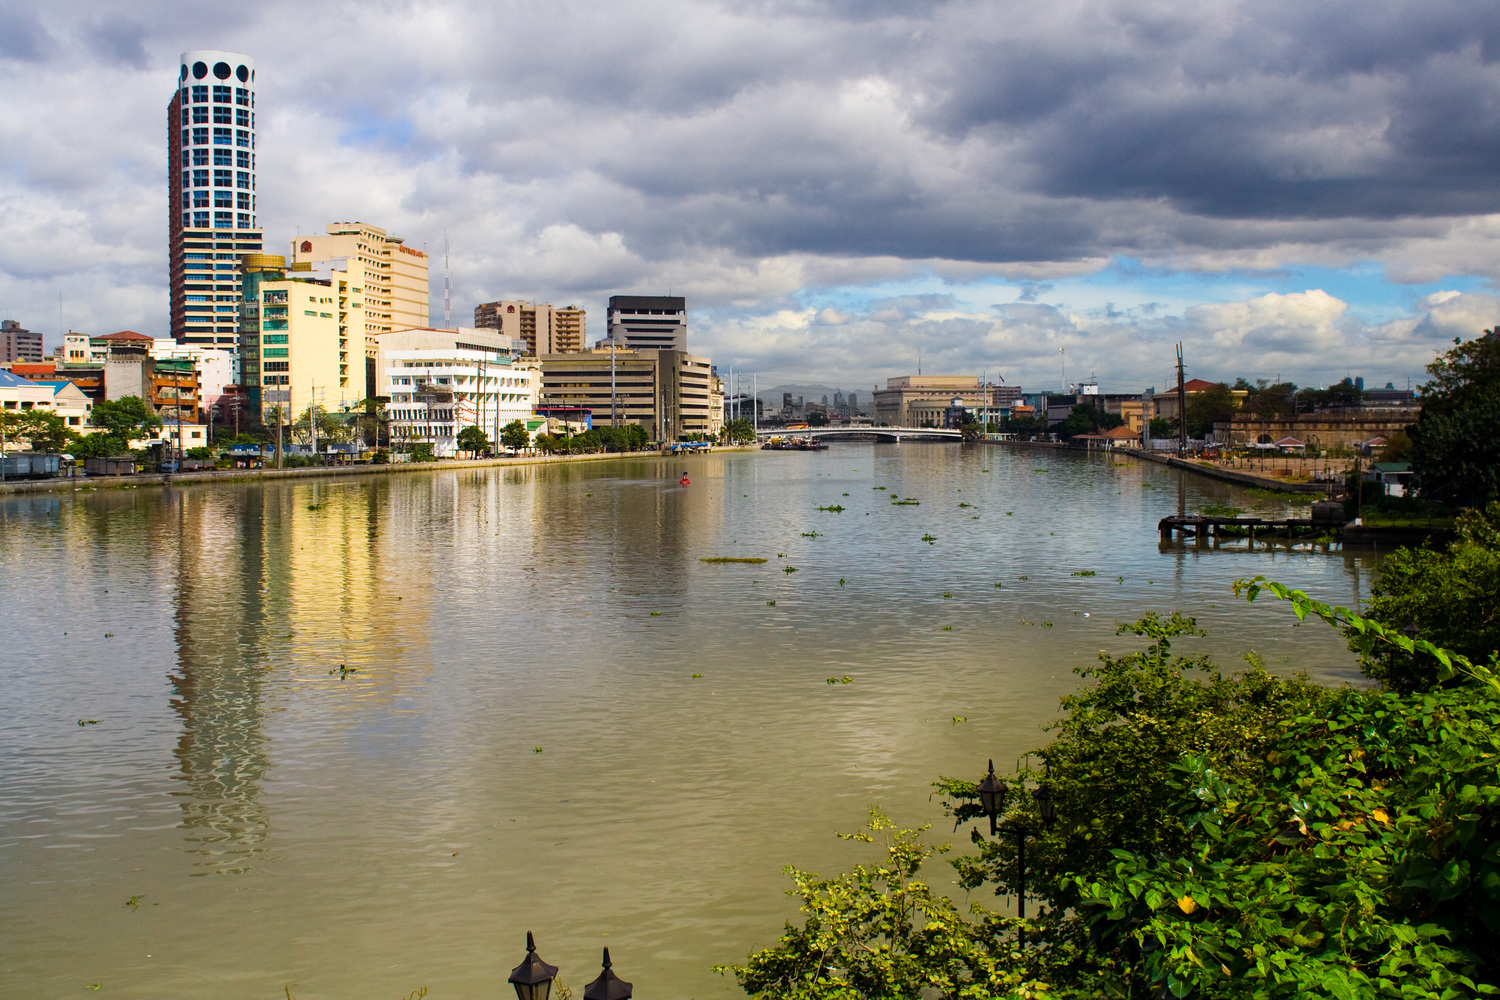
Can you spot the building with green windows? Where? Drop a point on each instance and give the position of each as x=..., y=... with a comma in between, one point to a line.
x=291, y=341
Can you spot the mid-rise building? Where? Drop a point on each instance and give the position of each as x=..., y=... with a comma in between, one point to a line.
x=925, y=400
x=441, y=381
x=58, y=396
x=18, y=343
x=545, y=329
x=289, y=355
x=387, y=283
x=212, y=213
x=648, y=322
x=670, y=393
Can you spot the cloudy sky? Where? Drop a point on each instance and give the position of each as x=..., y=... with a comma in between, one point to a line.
x=839, y=188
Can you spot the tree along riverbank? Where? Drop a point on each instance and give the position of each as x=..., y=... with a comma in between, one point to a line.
x=263, y=475
x=1193, y=833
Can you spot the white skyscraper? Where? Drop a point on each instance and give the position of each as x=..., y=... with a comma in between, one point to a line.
x=211, y=172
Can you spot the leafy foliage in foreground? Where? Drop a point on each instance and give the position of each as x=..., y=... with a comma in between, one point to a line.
x=1237, y=837
x=1451, y=598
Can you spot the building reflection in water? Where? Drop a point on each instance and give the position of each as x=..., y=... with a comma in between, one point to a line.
x=221, y=668
x=277, y=580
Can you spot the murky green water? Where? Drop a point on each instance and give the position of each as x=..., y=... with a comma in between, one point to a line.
x=522, y=743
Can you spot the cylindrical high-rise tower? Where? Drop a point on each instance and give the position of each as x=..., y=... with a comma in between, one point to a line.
x=211, y=172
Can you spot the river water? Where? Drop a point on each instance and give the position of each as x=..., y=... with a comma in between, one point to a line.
x=196, y=801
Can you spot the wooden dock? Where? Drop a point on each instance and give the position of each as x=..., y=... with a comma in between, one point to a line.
x=1203, y=528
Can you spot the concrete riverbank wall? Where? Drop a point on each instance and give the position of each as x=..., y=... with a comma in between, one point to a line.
x=265, y=475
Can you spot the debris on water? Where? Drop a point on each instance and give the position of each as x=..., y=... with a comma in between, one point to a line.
x=846, y=679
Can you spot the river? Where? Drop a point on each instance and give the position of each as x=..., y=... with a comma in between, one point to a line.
x=196, y=800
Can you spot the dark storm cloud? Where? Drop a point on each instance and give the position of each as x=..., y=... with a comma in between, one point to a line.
x=22, y=36
x=748, y=149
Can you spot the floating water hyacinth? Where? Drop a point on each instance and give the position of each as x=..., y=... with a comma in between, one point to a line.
x=810, y=534
x=929, y=539
x=770, y=604
x=947, y=596
x=846, y=679
x=536, y=749
x=789, y=569
x=841, y=581
x=834, y=508
x=905, y=503
x=947, y=628
x=960, y=718
x=877, y=487
x=655, y=613
x=962, y=504
x=1084, y=572
x=752, y=560
x=696, y=676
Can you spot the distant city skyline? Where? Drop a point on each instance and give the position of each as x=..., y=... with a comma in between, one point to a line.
x=836, y=190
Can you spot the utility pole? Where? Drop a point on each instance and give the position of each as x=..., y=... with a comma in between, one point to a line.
x=447, y=286
x=1182, y=433
x=312, y=416
x=614, y=410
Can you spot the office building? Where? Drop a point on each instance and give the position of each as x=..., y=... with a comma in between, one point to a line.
x=290, y=355
x=544, y=328
x=924, y=400
x=670, y=393
x=441, y=381
x=212, y=215
x=387, y=282
x=18, y=343
x=648, y=322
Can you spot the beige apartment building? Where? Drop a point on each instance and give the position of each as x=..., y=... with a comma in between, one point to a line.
x=387, y=278
x=670, y=393
x=545, y=328
x=292, y=355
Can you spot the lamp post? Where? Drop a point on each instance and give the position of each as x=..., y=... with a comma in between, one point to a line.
x=993, y=792
x=533, y=979
x=608, y=986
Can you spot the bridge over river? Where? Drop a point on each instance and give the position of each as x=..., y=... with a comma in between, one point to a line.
x=833, y=433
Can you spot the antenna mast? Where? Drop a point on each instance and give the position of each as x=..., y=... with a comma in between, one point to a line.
x=447, y=286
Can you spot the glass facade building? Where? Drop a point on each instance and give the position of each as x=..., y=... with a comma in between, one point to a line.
x=212, y=203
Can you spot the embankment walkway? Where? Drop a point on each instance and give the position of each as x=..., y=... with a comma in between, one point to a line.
x=1227, y=475
x=266, y=475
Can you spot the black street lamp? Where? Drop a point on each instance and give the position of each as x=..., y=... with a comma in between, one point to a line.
x=608, y=986
x=992, y=793
x=533, y=977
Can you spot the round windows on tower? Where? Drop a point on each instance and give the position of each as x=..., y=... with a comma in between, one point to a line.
x=221, y=70
x=243, y=74
x=183, y=75
x=200, y=70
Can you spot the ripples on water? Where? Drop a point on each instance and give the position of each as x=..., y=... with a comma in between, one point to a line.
x=397, y=827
